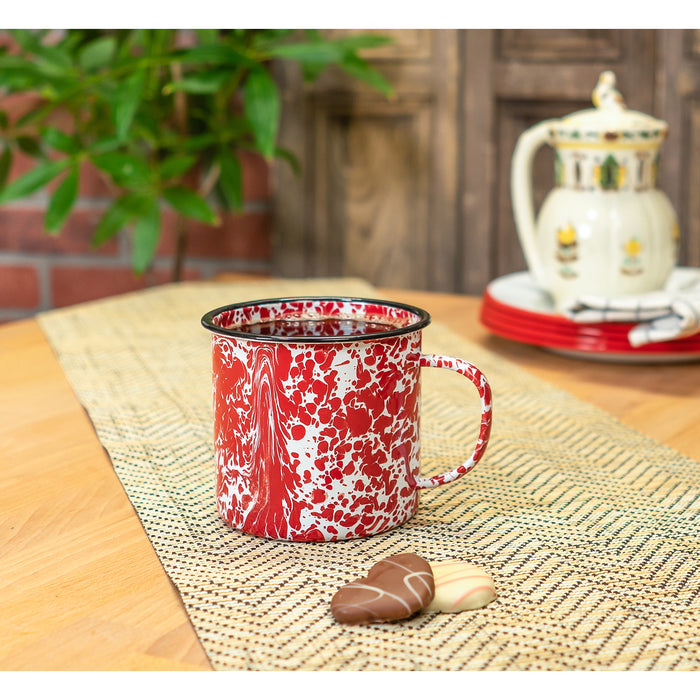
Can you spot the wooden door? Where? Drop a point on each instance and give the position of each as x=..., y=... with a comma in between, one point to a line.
x=377, y=193
x=414, y=192
x=678, y=102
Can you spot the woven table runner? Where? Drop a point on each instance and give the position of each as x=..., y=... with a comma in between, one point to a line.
x=590, y=529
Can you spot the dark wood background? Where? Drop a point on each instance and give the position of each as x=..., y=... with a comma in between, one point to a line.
x=414, y=192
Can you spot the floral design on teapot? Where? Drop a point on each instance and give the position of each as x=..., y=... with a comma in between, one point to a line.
x=621, y=167
x=610, y=174
x=631, y=260
x=567, y=251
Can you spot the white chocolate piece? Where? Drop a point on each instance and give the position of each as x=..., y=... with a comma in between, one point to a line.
x=460, y=586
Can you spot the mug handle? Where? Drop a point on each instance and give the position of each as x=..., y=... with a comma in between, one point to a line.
x=475, y=376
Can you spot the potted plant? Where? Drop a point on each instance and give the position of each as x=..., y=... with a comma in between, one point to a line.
x=160, y=113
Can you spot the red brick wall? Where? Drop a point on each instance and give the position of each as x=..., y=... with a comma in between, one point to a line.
x=39, y=271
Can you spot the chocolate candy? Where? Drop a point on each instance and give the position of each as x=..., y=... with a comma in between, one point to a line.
x=460, y=586
x=395, y=588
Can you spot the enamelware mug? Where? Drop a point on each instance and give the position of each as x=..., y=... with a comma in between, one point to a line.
x=316, y=415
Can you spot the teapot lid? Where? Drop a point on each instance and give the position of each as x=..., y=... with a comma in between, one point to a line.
x=610, y=117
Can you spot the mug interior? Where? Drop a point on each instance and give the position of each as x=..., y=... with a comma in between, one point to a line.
x=326, y=318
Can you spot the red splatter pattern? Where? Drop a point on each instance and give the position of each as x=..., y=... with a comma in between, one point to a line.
x=318, y=439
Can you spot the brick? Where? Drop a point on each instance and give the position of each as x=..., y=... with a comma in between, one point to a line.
x=22, y=230
x=19, y=286
x=93, y=184
x=246, y=236
x=72, y=284
x=256, y=176
x=21, y=163
x=18, y=103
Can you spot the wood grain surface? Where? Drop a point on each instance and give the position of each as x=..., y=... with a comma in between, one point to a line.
x=80, y=585
x=81, y=588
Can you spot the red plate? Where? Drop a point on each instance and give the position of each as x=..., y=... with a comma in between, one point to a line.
x=513, y=307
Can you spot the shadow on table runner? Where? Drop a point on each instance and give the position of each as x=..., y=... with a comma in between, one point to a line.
x=590, y=529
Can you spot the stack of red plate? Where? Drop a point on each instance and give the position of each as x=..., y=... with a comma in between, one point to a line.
x=514, y=307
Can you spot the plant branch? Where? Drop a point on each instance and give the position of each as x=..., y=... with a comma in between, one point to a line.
x=209, y=181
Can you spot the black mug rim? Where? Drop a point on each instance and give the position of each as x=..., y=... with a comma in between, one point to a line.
x=423, y=320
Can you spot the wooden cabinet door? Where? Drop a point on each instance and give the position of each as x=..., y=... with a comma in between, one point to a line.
x=376, y=196
x=414, y=192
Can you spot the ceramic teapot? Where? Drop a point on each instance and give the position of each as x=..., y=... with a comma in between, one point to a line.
x=605, y=228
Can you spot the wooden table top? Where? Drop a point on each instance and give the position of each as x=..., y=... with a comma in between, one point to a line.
x=81, y=587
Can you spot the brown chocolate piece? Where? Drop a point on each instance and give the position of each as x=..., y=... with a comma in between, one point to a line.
x=395, y=588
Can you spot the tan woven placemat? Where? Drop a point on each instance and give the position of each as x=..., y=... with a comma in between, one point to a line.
x=590, y=529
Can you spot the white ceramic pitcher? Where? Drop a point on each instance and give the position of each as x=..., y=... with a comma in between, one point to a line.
x=605, y=228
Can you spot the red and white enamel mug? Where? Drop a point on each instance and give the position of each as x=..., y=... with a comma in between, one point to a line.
x=316, y=415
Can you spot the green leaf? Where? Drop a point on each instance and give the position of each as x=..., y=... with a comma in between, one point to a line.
x=360, y=69
x=265, y=38
x=207, y=36
x=175, y=166
x=123, y=210
x=221, y=54
x=20, y=79
x=5, y=165
x=204, y=83
x=61, y=202
x=10, y=62
x=189, y=204
x=290, y=158
x=231, y=179
x=30, y=116
x=97, y=53
x=54, y=63
x=315, y=52
x=32, y=181
x=311, y=71
x=58, y=140
x=26, y=38
x=126, y=170
x=261, y=101
x=146, y=235
x=57, y=60
x=105, y=145
x=4, y=121
x=127, y=41
x=30, y=146
x=127, y=102
x=199, y=142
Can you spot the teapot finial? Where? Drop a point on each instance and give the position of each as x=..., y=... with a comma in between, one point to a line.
x=605, y=95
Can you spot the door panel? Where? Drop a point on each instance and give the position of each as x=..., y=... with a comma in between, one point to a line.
x=678, y=102
x=376, y=197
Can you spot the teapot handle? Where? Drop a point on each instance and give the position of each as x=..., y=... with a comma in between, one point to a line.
x=521, y=192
